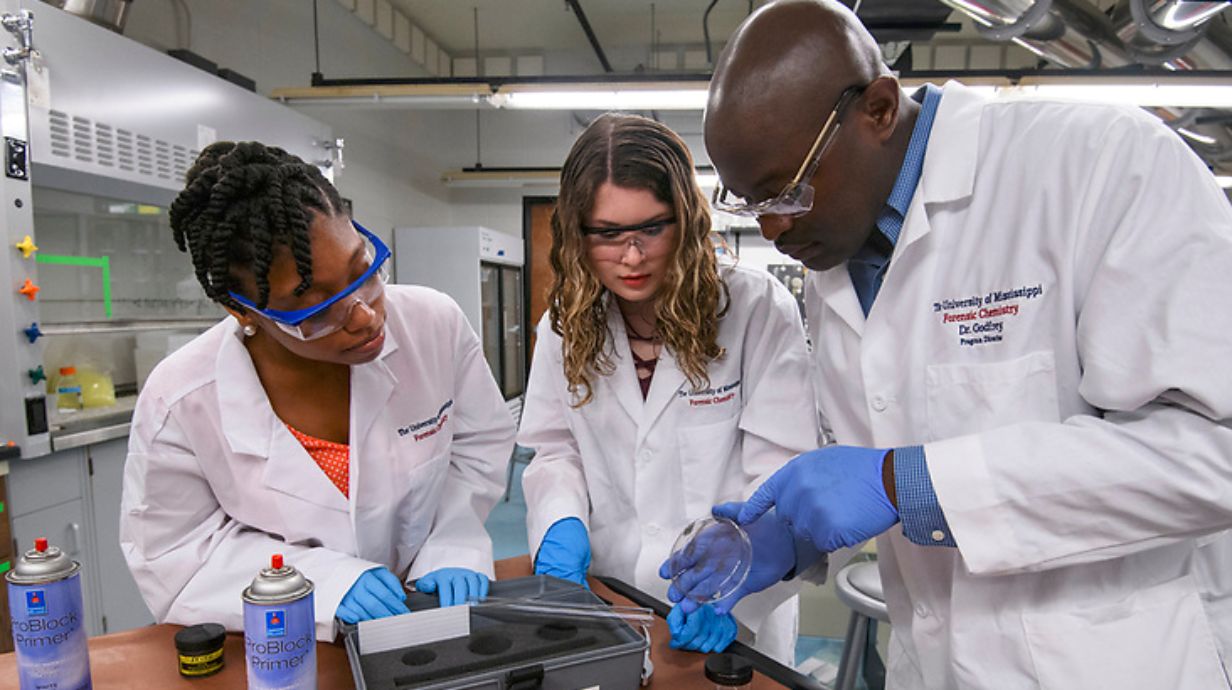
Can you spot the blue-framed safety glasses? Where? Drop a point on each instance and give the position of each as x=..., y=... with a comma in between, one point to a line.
x=332, y=314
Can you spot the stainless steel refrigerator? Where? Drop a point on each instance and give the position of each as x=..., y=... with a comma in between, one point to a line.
x=481, y=269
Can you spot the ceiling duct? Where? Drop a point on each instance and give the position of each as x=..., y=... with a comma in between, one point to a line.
x=1208, y=133
x=1069, y=33
x=107, y=13
x=1174, y=33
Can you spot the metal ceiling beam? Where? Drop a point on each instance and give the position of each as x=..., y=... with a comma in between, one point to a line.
x=578, y=12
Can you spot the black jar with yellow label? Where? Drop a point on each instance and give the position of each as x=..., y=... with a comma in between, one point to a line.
x=200, y=649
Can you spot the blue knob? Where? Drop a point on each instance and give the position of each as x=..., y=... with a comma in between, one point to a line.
x=33, y=332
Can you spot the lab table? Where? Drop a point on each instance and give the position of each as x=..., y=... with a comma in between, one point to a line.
x=146, y=658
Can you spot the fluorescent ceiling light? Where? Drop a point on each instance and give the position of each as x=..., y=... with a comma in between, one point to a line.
x=628, y=97
x=632, y=96
x=513, y=178
x=418, y=96
x=1180, y=91
x=1224, y=181
x=501, y=179
x=1179, y=95
x=1195, y=136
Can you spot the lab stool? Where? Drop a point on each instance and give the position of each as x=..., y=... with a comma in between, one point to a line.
x=858, y=586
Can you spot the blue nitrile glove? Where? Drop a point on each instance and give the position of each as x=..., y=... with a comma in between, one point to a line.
x=832, y=497
x=774, y=556
x=565, y=551
x=704, y=630
x=377, y=593
x=455, y=585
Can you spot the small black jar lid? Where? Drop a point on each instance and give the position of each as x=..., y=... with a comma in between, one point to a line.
x=728, y=669
x=200, y=639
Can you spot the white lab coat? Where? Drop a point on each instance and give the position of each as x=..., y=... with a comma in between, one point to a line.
x=636, y=473
x=215, y=483
x=1077, y=430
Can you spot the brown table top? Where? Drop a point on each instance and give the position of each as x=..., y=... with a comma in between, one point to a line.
x=146, y=658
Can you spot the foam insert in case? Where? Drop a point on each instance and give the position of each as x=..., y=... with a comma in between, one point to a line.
x=509, y=650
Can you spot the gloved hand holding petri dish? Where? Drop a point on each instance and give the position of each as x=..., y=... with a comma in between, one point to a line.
x=710, y=559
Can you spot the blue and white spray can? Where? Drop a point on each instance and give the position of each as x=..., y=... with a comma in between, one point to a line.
x=280, y=636
x=49, y=631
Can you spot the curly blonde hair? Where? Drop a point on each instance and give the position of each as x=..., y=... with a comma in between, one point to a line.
x=637, y=153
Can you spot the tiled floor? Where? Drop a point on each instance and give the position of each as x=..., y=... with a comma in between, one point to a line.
x=817, y=656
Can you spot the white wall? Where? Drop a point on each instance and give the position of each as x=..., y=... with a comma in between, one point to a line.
x=519, y=138
x=270, y=41
x=389, y=179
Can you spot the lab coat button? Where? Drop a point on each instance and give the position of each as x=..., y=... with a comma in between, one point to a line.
x=879, y=403
x=652, y=528
x=921, y=610
x=938, y=535
x=643, y=456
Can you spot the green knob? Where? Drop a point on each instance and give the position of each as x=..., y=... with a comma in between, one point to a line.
x=37, y=374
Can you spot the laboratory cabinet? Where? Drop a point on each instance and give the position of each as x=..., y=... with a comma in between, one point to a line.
x=72, y=497
x=97, y=283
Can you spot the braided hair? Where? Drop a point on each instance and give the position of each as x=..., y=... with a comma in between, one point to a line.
x=239, y=201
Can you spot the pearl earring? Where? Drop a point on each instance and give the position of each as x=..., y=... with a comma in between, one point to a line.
x=250, y=330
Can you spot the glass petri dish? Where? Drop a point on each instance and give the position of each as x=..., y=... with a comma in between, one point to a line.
x=710, y=559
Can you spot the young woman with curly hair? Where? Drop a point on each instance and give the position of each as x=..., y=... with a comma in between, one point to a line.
x=662, y=383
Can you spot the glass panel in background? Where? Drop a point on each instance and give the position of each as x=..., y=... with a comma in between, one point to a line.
x=150, y=277
x=511, y=306
x=489, y=297
x=150, y=280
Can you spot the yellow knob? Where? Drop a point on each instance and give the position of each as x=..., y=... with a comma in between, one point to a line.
x=27, y=246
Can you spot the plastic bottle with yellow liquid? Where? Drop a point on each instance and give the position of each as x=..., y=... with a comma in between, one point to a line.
x=68, y=391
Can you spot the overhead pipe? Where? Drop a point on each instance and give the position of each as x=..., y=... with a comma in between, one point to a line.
x=1172, y=33
x=1177, y=15
x=1072, y=33
x=1069, y=33
x=706, y=32
x=1207, y=132
x=590, y=33
x=1180, y=35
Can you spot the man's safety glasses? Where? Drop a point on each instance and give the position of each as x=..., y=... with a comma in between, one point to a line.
x=796, y=199
x=611, y=242
x=333, y=314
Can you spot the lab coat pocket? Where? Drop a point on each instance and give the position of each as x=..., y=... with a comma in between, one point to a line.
x=1156, y=638
x=708, y=473
x=417, y=506
x=968, y=398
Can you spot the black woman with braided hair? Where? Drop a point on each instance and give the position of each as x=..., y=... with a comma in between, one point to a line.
x=352, y=426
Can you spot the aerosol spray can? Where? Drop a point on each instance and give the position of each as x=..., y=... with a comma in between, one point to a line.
x=48, y=626
x=280, y=637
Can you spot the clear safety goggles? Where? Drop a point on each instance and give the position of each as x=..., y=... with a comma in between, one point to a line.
x=796, y=199
x=608, y=242
x=334, y=313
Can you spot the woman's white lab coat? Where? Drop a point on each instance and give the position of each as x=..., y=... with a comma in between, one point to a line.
x=215, y=483
x=1054, y=326
x=637, y=472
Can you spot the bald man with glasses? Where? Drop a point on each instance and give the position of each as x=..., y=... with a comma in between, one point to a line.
x=1018, y=311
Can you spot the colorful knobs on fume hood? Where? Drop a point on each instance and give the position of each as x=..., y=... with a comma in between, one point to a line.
x=37, y=374
x=33, y=333
x=29, y=289
x=27, y=246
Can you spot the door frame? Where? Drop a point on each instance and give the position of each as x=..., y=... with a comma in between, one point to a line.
x=528, y=202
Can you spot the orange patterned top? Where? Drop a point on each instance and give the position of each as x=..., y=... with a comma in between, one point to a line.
x=334, y=459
